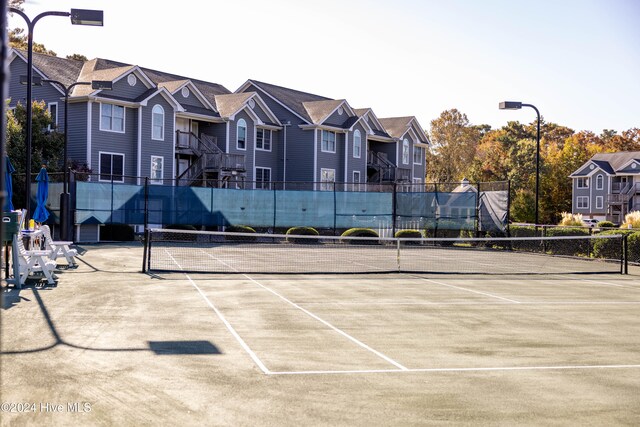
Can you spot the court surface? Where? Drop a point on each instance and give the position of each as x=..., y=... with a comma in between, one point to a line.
x=376, y=349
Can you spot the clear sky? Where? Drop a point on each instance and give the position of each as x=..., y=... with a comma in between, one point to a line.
x=578, y=61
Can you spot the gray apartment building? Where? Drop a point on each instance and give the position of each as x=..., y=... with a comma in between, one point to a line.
x=607, y=186
x=166, y=127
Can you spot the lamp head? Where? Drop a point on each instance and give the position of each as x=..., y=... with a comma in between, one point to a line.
x=87, y=17
x=510, y=105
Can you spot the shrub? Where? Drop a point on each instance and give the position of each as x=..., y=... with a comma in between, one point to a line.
x=633, y=243
x=361, y=232
x=631, y=220
x=302, y=231
x=610, y=248
x=239, y=229
x=117, y=233
x=408, y=234
x=571, y=219
x=578, y=247
x=605, y=224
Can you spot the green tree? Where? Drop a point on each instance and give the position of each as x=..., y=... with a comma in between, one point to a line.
x=454, y=142
x=46, y=147
x=77, y=57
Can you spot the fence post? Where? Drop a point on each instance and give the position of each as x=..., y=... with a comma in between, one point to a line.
x=394, y=209
x=146, y=202
x=625, y=255
x=275, y=206
x=478, y=197
x=508, y=208
x=145, y=251
x=335, y=210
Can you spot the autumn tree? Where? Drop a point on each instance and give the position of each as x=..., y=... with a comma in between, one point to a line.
x=454, y=142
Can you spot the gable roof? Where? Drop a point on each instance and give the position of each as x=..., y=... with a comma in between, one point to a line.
x=610, y=163
x=290, y=98
x=397, y=127
x=230, y=104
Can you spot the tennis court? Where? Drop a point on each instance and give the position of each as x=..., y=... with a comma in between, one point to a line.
x=285, y=349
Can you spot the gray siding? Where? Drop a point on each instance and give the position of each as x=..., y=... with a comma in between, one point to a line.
x=190, y=100
x=122, y=89
x=419, y=169
x=599, y=193
x=113, y=142
x=328, y=160
x=270, y=159
x=579, y=192
x=298, y=144
x=262, y=114
x=250, y=141
x=77, y=134
x=353, y=163
x=337, y=119
x=151, y=147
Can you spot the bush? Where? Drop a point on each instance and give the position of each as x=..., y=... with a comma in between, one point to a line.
x=408, y=234
x=117, y=233
x=631, y=220
x=239, y=229
x=610, y=248
x=361, y=232
x=302, y=231
x=579, y=247
x=633, y=243
x=605, y=224
x=571, y=219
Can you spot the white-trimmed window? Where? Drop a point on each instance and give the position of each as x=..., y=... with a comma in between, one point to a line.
x=263, y=139
x=356, y=181
x=111, y=166
x=327, y=178
x=599, y=202
x=583, y=182
x=53, y=112
x=157, y=123
x=157, y=168
x=328, y=141
x=263, y=178
x=112, y=118
x=357, y=144
x=241, y=135
x=417, y=155
x=405, y=152
x=599, y=182
x=583, y=202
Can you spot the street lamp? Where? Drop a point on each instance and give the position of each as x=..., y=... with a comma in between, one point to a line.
x=512, y=105
x=78, y=17
x=64, y=196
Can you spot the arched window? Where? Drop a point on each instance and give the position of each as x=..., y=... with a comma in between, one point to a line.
x=599, y=182
x=157, y=123
x=241, y=136
x=405, y=151
x=357, y=144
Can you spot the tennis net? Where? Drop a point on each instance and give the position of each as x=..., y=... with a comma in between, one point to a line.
x=224, y=252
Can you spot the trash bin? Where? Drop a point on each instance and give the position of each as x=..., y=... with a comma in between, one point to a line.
x=9, y=226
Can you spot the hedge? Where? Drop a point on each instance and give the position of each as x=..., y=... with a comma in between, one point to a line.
x=239, y=229
x=610, y=248
x=302, y=231
x=571, y=247
x=361, y=232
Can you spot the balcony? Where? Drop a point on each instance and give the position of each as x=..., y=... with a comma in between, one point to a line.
x=382, y=170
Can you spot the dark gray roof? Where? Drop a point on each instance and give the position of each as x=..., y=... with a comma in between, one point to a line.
x=291, y=98
x=66, y=71
x=611, y=163
x=200, y=110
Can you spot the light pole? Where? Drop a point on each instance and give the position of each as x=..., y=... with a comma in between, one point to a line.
x=78, y=17
x=64, y=196
x=512, y=105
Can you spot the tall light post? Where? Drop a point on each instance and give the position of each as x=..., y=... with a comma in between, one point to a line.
x=78, y=17
x=512, y=105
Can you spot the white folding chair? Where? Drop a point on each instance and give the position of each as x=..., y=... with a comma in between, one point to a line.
x=58, y=247
x=33, y=261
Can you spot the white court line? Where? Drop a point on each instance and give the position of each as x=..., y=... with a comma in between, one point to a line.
x=598, y=282
x=436, y=370
x=468, y=303
x=243, y=344
x=324, y=322
x=465, y=289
